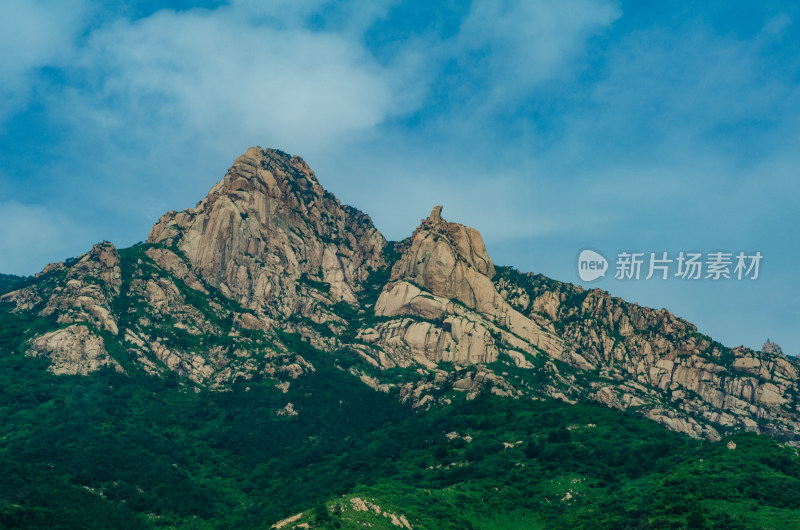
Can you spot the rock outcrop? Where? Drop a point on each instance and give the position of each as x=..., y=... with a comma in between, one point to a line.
x=267, y=226
x=84, y=293
x=771, y=348
x=79, y=296
x=74, y=350
x=651, y=360
x=270, y=265
x=91, y=286
x=444, y=277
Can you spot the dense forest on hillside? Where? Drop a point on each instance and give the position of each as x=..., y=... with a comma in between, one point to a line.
x=134, y=451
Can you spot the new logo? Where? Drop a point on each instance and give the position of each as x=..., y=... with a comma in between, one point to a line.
x=591, y=265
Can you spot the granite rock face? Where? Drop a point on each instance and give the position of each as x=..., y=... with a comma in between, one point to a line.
x=771, y=348
x=90, y=285
x=445, y=277
x=267, y=225
x=270, y=265
x=652, y=360
x=74, y=350
x=82, y=300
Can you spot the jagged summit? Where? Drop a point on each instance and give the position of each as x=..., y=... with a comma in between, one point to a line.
x=435, y=217
x=450, y=262
x=265, y=168
x=218, y=290
x=267, y=224
x=465, y=243
x=771, y=347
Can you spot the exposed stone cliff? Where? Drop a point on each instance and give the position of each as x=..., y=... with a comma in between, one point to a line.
x=270, y=264
x=268, y=224
x=657, y=362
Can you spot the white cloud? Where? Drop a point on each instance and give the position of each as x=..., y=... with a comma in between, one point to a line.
x=233, y=75
x=150, y=112
x=681, y=91
x=34, y=34
x=516, y=44
x=506, y=58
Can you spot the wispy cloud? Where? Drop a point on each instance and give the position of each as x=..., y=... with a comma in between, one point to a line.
x=35, y=34
x=150, y=111
x=228, y=73
x=511, y=46
x=690, y=89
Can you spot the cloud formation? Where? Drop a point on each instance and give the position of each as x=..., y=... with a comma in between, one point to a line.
x=231, y=71
x=515, y=45
x=35, y=34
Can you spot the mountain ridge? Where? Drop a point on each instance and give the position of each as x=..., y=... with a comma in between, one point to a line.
x=268, y=251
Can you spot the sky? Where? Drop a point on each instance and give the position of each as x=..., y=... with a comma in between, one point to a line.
x=551, y=127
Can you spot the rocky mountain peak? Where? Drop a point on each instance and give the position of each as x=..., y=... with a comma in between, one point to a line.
x=445, y=274
x=437, y=248
x=78, y=296
x=435, y=218
x=272, y=172
x=267, y=225
x=268, y=253
x=771, y=348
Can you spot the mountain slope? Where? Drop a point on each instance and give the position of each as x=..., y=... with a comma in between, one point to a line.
x=213, y=293
x=658, y=363
x=265, y=226
x=134, y=451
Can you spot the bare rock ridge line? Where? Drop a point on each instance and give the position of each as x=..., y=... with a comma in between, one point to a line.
x=445, y=274
x=74, y=348
x=267, y=223
x=220, y=291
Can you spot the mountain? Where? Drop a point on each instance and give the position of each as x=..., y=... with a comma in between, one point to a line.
x=267, y=226
x=271, y=302
x=269, y=251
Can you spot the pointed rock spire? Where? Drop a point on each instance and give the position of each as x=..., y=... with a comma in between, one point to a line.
x=450, y=261
x=435, y=218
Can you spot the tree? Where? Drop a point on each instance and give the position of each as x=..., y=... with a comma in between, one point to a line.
x=695, y=520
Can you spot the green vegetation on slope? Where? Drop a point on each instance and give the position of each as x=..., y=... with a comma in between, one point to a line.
x=156, y=453
x=112, y=450
x=8, y=282
x=133, y=451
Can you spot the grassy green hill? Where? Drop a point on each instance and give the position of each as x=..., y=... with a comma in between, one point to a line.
x=132, y=451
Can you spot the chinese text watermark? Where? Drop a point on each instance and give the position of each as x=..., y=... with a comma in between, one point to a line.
x=663, y=265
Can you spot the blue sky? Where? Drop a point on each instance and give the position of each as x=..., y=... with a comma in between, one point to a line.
x=549, y=126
